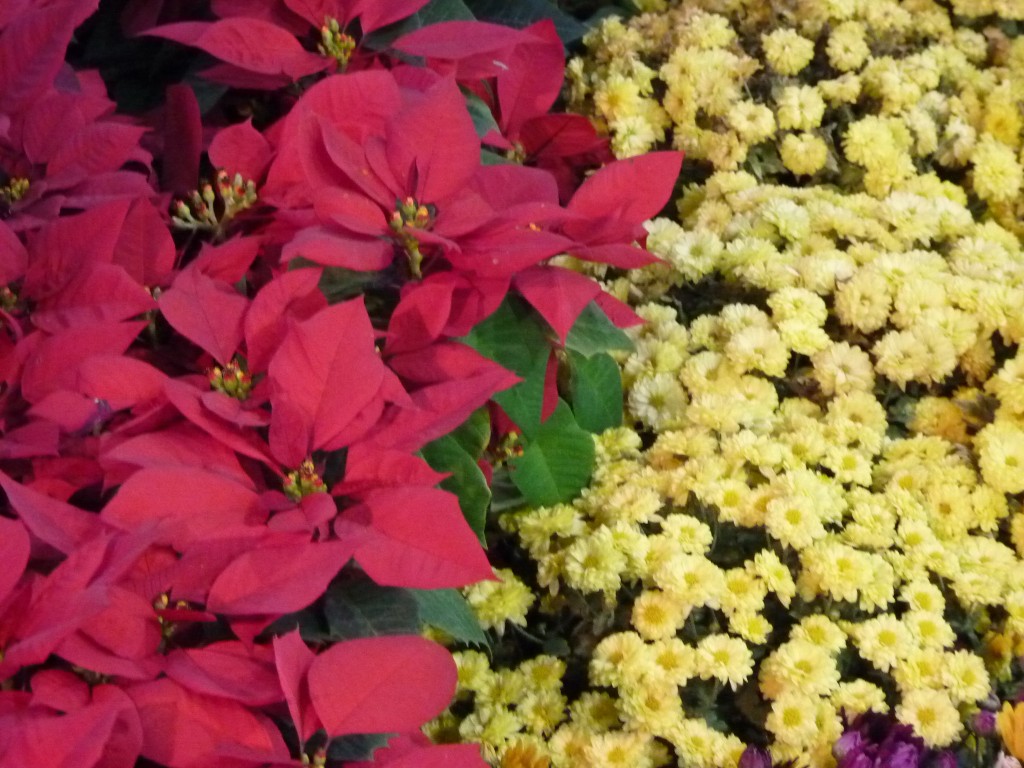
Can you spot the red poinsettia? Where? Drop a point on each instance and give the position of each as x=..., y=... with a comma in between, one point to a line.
x=272, y=43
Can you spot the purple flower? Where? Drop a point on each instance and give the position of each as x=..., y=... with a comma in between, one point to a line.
x=877, y=741
x=755, y=757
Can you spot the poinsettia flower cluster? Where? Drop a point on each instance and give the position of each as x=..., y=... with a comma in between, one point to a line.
x=194, y=441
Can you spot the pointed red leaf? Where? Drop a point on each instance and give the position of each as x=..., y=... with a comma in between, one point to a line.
x=284, y=575
x=77, y=739
x=334, y=248
x=52, y=364
x=14, y=551
x=368, y=468
x=194, y=504
x=558, y=294
x=59, y=689
x=293, y=660
x=420, y=316
x=350, y=682
x=294, y=294
x=97, y=148
x=127, y=627
x=63, y=246
x=145, y=247
x=13, y=256
x=325, y=372
x=99, y=293
x=417, y=538
x=123, y=382
x=207, y=312
x=433, y=142
x=188, y=400
x=252, y=44
x=185, y=729
x=227, y=262
x=181, y=445
x=228, y=669
x=426, y=756
x=240, y=148
x=651, y=178
x=61, y=525
x=438, y=409
x=183, y=139
x=32, y=49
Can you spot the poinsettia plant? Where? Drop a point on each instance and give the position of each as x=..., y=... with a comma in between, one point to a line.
x=255, y=364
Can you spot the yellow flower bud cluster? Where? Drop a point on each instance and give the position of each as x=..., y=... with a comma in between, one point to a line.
x=867, y=96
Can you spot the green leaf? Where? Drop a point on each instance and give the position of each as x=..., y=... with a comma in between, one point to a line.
x=483, y=120
x=557, y=461
x=593, y=332
x=522, y=13
x=595, y=386
x=358, y=746
x=474, y=433
x=515, y=337
x=523, y=402
x=466, y=481
x=489, y=157
x=448, y=611
x=360, y=608
x=505, y=495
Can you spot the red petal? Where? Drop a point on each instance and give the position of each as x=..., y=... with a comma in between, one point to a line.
x=61, y=525
x=52, y=363
x=325, y=372
x=420, y=316
x=14, y=551
x=294, y=294
x=227, y=669
x=145, y=247
x=293, y=661
x=123, y=382
x=278, y=579
x=240, y=148
x=381, y=684
x=183, y=139
x=194, y=503
x=252, y=44
x=99, y=293
x=207, y=312
x=184, y=729
x=13, y=256
x=418, y=538
x=651, y=178
x=97, y=148
x=424, y=756
x=181, y=445
x=433, y=142
x=558, y=294
x=79, y=739
x=227, y=262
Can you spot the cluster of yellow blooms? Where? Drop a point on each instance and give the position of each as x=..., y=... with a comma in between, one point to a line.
x=857, y=93
x=826, y=517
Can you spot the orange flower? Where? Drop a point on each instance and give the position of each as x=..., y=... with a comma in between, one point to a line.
x=523, y=754
x=1011, y=727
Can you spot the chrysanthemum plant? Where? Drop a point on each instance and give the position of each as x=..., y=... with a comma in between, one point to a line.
x=262, y=349
x=806, y=545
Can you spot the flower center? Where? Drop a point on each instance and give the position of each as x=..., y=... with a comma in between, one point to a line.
x=210, y=207
x=335, y=44
x=303, y=481
x=233, y=380
x=14, y=190
x=410, y=213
